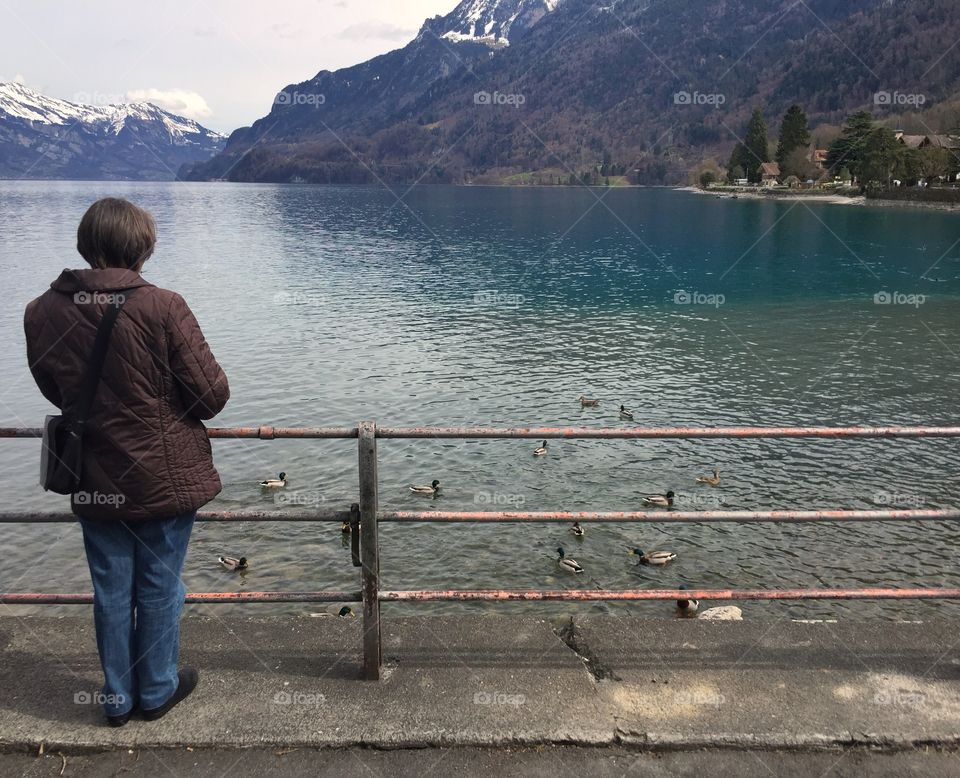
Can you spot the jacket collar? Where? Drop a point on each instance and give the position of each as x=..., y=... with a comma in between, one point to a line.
x=90, y=280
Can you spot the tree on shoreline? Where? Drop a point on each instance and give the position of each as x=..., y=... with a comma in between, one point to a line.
x=738, y=163
x=794, y=135
x=881, y=153
x=756, y=144
x=848, y=150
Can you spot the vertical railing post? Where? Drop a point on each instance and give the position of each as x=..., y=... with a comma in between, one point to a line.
x=369, y=549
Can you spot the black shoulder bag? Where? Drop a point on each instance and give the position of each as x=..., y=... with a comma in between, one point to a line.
x=61, y=459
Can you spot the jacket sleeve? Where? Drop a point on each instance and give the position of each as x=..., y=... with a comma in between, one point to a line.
x=48, y=387
x=203, y=385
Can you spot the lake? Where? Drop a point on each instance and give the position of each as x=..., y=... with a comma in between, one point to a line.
x=488, y=306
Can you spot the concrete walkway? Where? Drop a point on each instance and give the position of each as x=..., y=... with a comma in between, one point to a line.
x=497, y=682
x=532, y=762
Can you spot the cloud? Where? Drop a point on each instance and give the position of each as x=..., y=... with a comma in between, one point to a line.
x=377, y=31
x=17, y=79
x=286, y=31
x=182, y=102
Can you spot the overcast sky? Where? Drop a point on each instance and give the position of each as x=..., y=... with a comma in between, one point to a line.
x=217, y=61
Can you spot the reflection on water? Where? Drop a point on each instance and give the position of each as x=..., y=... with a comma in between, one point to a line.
x=327, y=305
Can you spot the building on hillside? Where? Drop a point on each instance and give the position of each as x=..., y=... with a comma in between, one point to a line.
x=948, y=142
x=769, y=173
x=910, y=141
x=817, y=157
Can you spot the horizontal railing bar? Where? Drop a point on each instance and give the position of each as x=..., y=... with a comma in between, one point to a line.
x=674, y=594
x=669, y=432
x=586, y=517
x=671, y=516
x=261, y=433
x=627, y=433
x=36, y=517
x=30, y=598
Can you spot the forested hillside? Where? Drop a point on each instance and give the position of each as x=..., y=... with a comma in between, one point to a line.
x=643, y=89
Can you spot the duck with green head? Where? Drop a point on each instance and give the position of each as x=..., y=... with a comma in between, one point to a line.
x=657, y=558
x=659, y=500
x=432, y=489
x=689, y=606
x=567, y=564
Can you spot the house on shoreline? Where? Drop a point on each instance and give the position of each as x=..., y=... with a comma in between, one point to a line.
x=769, y=173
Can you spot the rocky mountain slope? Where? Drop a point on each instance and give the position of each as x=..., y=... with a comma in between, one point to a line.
x=642, y=88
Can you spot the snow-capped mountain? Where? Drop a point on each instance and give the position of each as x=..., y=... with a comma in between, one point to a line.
x=492, y=21
x=46, y=137
x=387, y=88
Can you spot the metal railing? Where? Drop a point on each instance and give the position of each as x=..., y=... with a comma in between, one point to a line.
x=366, y=516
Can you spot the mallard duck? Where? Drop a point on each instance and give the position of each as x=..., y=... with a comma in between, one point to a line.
x=566, y=563
x=345, y=528
x=687, y=607
x=586, y=402
x=625, y=414
x=659, y=500
x=345, y=611
x=234, y=564
x=275, y=483
x=541, y=450
x=710, y=480
x=576, y=529
x=655, y=557
x=432, y=489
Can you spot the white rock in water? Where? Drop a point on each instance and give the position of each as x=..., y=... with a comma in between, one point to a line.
x=722, y=613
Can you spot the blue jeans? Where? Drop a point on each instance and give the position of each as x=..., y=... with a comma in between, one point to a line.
x=137, y=602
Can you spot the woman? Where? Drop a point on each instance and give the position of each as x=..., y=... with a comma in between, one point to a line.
x=147, y=463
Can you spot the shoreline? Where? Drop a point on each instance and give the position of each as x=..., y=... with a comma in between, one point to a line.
x=836, y=199
x=833, y=199
x=740, y=194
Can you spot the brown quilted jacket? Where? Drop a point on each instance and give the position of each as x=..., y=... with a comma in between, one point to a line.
x=146, y=452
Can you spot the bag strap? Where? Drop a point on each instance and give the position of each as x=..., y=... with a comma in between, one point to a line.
x=99, y=354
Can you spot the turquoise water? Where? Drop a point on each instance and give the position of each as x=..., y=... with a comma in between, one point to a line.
x=450, y=306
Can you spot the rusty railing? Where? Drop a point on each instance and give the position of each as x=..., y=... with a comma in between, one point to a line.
x=365, y=517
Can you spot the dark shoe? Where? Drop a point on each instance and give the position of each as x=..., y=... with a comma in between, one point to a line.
x=118, y=721
x=188, y=682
